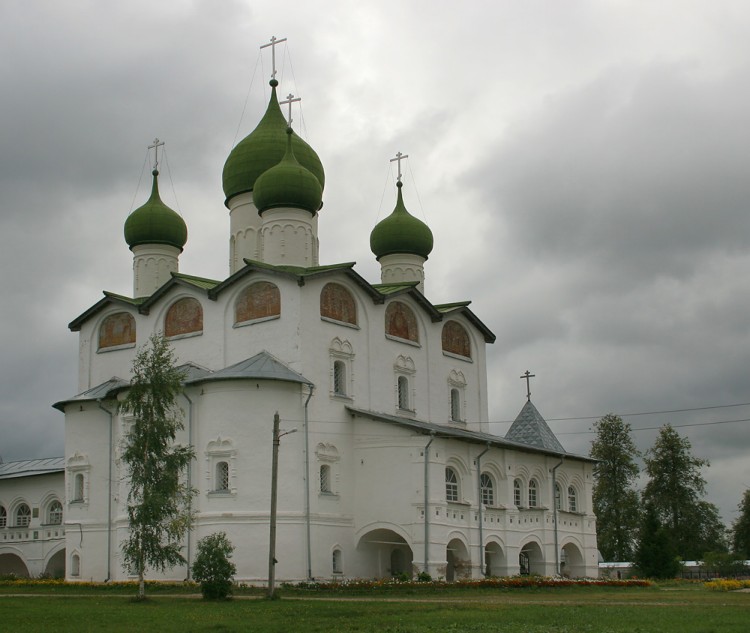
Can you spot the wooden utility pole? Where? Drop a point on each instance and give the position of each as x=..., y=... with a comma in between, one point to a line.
x=274, y=489
x=277, y=435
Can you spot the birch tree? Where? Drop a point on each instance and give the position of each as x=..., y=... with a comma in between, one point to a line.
x=159, y=499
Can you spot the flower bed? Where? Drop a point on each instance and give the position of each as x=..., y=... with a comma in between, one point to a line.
x=727, y=584
x=510, y=582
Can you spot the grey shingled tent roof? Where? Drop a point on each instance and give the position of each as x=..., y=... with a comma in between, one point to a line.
x=531, y=429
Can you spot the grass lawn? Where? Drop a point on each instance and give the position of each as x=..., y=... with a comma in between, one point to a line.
x=682, y=609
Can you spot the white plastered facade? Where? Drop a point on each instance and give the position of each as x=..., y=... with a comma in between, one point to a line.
x=384, y=476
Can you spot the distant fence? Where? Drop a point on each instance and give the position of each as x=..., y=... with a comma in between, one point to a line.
x=691, y=570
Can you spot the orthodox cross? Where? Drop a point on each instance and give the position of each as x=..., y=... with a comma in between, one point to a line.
x=272, y=44
x=528, y=375
x=155, y=146
x=290, y=99
x=399, y=157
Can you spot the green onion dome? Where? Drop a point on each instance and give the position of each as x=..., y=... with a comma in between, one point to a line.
x=401, y=232
x=263, y=148
x=288, y=184
x=155, y=223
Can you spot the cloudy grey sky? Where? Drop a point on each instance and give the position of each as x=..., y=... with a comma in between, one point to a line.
x=583, y=166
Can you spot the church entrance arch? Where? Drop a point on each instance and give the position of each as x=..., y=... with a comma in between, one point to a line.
x=12, y=564
x=531, y=560
x=385, y=554
x=494, y=560
x=458, y=561
x=56, y=565
x=571, y=561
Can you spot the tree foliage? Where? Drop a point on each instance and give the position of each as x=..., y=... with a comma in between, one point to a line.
x=616, y=502
x=741, y=528
x=158, y=499
x=212, y=567
x=675, y=490
x=655, y=554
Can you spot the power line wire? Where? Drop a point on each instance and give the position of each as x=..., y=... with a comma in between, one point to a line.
x=632, y=415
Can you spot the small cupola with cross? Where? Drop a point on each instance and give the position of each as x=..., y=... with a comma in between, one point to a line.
x=401, y=242
x=156, y=234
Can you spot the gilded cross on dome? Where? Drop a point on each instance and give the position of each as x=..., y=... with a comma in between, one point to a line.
x=272, y=44
x=399, y=157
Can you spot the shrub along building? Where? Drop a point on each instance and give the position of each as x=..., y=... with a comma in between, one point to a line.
x=393, y=470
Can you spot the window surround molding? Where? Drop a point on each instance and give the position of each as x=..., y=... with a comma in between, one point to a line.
x=572, y=497
x=518, y=492
x=457, y=385
x=341, y=351
x=404, y=368
x=452, y=485
x=221, y=449
x=487, y=489
x=78, y=471
x=328, y=459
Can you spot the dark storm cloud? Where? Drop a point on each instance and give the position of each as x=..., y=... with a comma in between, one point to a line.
x=641, y=172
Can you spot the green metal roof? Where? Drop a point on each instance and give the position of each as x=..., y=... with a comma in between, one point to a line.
x=401, y=232
x=450, y=307
x=389, y=289
x=155, y=222
x=288, y=184
x=263, y=148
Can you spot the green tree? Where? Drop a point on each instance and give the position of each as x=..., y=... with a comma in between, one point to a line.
x=212, y=567
x=616, y=502
x=741, y=528
x=675, y=488
x=655, y=554
x=158, y=499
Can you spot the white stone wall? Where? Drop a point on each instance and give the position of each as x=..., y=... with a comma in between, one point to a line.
x=374, y=512
x=39, y=547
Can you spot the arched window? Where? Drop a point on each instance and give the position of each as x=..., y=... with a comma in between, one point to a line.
x=533, y=494
x=339, y=378
x=451, y=485
x=572, y=499
x=325, y=478
x=75, y=565
x=403, y=393
x=185, y=316
x=456, y=339
x=3, y=517
x=222, y=477
x=338, y=567
x=55, y=513
x=558, y=497
x=488, y=490
x=517, y=493
x=401, y=322
x=337, y=303
x=117, y=329
x=78, y=487
x=23, y=516
x=260, y=300
x=455, y=405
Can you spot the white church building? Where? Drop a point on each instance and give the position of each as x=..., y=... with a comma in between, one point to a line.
x=392, y=469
